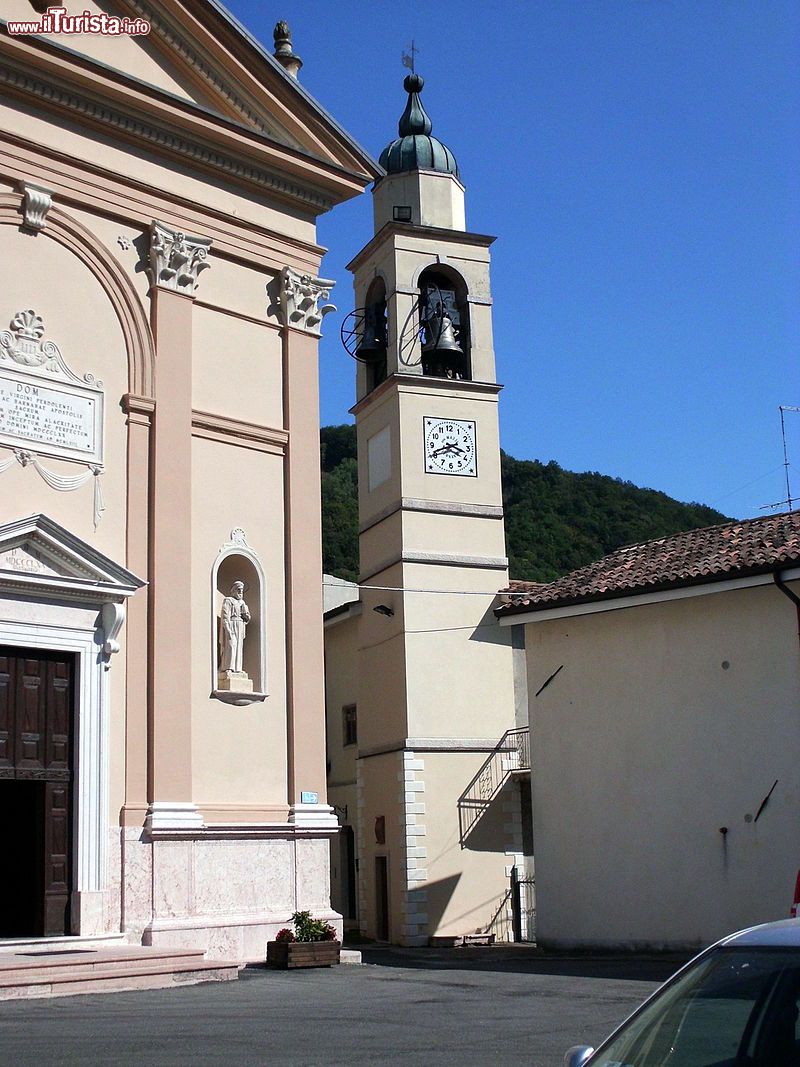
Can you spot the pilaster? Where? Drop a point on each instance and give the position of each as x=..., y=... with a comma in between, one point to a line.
x=139, y=411
x=176, y=260
x=300, y=298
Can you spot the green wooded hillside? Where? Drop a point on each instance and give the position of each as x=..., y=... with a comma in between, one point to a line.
x=556, y=520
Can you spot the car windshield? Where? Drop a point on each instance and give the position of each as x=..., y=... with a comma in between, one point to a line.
x=736, y=1007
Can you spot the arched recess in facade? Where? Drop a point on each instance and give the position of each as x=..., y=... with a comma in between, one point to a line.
x=236, y=561
x=75, y=237
x=91, y=878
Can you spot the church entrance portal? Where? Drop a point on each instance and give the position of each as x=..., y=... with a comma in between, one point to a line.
x=36, y=743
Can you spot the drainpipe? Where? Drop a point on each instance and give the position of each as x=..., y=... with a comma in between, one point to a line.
x=784, y=588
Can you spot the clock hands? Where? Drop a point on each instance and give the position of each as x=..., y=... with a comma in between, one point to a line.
x=448, y=448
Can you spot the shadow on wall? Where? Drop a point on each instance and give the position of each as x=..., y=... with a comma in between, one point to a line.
x=489, y=632
x=482, y=822
x=433, y=899
x=502, y=923
x=491, y=916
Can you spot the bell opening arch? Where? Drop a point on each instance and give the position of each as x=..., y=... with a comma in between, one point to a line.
x=444, y=323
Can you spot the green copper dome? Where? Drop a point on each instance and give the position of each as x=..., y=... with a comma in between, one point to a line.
x=415, y=149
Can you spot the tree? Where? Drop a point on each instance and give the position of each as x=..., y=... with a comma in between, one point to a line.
x=556, y=520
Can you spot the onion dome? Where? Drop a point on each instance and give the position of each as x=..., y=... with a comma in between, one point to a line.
x=415, y=149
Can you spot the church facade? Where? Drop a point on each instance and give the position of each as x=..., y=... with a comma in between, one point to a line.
x=162, y=763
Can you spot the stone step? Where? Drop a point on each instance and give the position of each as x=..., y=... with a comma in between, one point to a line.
x=52, y=944
x=65, y=973
x=46, y=962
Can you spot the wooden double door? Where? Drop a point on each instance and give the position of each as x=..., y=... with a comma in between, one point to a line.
x=36, y=748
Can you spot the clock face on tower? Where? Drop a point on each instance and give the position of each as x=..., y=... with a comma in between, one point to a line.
x=450, y=447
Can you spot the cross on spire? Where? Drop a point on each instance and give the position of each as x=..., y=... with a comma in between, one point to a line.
x=409, y=58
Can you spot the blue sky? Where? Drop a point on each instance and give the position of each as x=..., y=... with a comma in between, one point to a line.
x=639, y=163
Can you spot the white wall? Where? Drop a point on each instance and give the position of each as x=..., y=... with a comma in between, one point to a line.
x=643, y=747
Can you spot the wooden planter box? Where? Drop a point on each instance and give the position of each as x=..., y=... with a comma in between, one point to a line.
x=291, y=954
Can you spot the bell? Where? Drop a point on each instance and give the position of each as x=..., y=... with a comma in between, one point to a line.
x=439, y=333
x=373, y=338
x=371, y=347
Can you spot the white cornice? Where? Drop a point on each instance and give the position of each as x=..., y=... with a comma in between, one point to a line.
x=134, y=125
x=429, y=386
x=177, y=43
x=437, y=559
x=433, y=507
x=567, y=611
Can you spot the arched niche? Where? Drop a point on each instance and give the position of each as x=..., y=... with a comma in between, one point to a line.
x=374, y=333
x=237, y=562
x=444, y=318
x=73, y=235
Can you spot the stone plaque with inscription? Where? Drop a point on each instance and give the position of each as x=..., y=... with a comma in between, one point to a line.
x=25, y=560
x=43, y=405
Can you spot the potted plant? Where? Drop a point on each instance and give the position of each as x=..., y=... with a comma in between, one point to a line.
x=312, y=943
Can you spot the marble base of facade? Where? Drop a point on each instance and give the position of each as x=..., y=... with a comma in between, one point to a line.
x=228, y=895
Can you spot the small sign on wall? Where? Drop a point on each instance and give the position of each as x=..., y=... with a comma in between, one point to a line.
x=307, y=797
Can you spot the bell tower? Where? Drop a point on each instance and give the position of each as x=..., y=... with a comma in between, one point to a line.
x=435, y=671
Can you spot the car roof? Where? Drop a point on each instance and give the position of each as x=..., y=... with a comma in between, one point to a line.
x=783, y=934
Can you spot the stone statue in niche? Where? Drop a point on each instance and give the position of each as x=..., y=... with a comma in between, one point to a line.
x=234, y=618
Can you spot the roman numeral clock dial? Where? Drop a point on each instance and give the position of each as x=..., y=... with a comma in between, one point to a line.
x=450, y=447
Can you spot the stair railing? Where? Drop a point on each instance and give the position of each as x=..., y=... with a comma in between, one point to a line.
x=511, y=754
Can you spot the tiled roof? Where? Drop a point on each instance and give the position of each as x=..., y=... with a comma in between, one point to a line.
x=733, y=550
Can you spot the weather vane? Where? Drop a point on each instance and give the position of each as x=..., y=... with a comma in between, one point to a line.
x=409, y=58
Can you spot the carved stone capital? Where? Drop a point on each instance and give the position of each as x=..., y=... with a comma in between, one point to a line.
x=36, y=202
x=300, y=300
x=176, y=258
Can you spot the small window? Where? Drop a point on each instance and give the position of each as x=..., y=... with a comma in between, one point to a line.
x=401, y=214
x=350, y=724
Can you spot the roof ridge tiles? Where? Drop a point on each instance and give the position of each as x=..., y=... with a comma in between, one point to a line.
x=741, y=547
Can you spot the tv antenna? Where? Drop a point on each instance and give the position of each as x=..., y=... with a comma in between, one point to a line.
x=782, y=408
x=789, y=500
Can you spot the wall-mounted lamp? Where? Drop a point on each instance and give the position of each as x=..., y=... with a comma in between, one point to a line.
x=384, y=609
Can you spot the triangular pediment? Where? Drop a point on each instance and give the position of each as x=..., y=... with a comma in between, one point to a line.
x=137, y=56
x=36, y=551
x=199, y=54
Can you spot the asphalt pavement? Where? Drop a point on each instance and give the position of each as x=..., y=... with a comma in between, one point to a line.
x=465, y=1007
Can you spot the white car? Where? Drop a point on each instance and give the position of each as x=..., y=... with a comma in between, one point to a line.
x=737, y=1004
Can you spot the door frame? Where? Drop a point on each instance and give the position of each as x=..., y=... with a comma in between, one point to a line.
x=382, y=860
x=90, y=786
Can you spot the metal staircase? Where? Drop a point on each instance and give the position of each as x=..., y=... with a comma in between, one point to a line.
x=510, y=756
